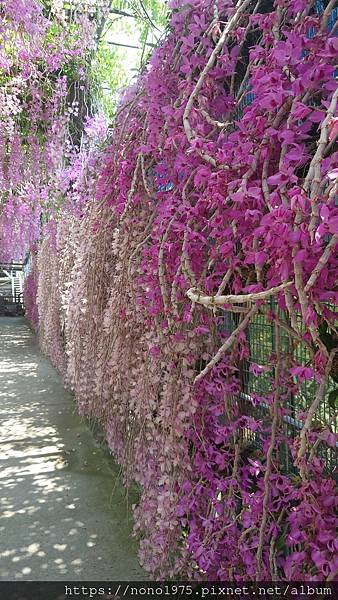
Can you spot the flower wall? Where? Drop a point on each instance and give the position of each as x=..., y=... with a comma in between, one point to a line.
x=214, y=205
x=43, y=84
x=30, y=292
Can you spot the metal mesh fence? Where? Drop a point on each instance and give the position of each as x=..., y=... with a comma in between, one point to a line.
x=257, y=388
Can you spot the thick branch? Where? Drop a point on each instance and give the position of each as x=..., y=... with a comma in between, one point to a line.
x=313, y=178
x=311, y=412
x=185, y=262
x=132, y=190
x=162, y=272
x=304, y=305
x=322, y=262
x=326, y=14
x=196, y=296
x=240, y=7
x=227, y=344
x=130, y=45
x=269, y=456
x=224, y=282
x=122, y=13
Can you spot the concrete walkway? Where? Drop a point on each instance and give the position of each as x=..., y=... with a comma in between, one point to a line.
x=61, y=515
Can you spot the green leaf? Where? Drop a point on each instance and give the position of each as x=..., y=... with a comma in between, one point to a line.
x=333, y=396
x=322, y=328
x=329, y=340
x=280, y=542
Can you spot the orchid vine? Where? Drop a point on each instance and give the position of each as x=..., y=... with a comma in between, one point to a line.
x=213, y=210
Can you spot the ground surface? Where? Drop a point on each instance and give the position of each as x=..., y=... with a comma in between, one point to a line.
x=62, y=515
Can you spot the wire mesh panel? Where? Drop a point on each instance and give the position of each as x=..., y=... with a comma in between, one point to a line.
x=257, y=380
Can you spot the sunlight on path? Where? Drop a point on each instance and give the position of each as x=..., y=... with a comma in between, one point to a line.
x=59, y=516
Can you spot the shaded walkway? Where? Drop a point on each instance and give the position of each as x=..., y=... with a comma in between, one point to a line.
x=58, y=517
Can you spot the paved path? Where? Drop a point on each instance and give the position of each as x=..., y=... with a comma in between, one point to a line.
x=61, y=514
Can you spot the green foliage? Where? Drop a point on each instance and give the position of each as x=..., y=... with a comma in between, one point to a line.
x=107, y=75
x=139, y=27
x=156, y=10
x=333, y=399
